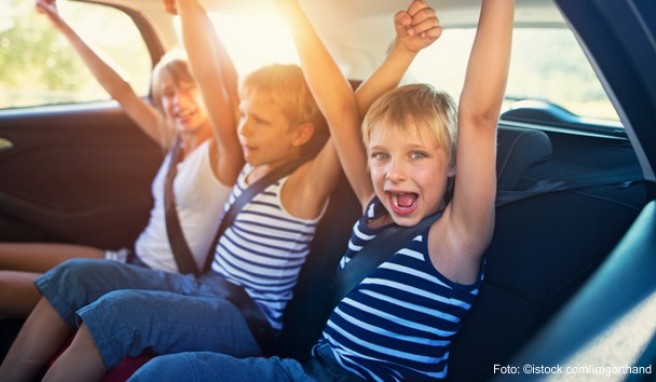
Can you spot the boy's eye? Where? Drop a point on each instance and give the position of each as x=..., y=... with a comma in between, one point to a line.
x=260, y=121
x=168, y=93
x=418, y=155
x=379, y=156
x=187, y=86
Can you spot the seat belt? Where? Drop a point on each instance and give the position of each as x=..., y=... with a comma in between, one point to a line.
x=587, y=179
x=245, y=197
x=374, y=253
x=237, y=295
x=179, y=247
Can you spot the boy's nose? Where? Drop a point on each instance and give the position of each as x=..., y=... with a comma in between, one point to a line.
x=394, y=172
x=175, y=100
x=243, y=129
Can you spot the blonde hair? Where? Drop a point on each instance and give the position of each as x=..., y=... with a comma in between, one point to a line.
x=418, y=105
x=171, y=68
x=286, y=86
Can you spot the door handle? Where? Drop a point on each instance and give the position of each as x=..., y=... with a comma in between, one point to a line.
x=5, y=144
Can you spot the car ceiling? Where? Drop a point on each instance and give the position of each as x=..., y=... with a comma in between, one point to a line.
x=455, y=12
x=358, y=33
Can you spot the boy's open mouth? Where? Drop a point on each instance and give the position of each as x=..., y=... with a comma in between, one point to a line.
x=403, y=203
x=185, y=116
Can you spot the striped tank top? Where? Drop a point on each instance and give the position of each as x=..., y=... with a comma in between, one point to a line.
x=264, y=249
x=398, y=323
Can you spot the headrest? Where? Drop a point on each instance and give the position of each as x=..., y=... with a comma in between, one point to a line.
x=517, y=150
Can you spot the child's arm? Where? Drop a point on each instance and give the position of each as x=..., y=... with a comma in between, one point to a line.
x=215, y=76
x=337, y=103
x=416, y=28
x=227, y=68
x=472, y=208
x=144, y=114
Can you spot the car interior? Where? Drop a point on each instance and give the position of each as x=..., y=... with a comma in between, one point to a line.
x=574, y=241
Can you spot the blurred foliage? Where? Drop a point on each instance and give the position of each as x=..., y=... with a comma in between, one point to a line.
x=38, y=66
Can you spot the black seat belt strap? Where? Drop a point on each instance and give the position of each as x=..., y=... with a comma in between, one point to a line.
x=245, y=197
x=374, y=253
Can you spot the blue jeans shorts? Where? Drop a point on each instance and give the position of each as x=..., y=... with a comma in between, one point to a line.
x=129, y=309
x=204, y=366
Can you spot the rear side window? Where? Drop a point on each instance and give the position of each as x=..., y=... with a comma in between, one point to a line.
x=266, y=41
x=38, y=66
x=547, y=65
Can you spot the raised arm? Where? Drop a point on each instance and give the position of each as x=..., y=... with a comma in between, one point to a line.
x=139, y=110
x=472, y=212
x=216, y=77
x=416, y=28
x=336, y=101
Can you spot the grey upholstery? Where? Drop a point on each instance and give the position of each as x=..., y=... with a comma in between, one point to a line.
x=517, y=150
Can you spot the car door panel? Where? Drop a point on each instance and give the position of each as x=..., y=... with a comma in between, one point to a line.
x=78, y=175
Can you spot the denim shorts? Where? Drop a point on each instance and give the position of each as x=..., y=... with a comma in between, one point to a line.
x=203, y=366
x=129, y=309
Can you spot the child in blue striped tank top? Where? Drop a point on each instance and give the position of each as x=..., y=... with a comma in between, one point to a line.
x=397, y=324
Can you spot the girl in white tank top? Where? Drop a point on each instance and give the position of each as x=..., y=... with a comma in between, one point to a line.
x=212, y=160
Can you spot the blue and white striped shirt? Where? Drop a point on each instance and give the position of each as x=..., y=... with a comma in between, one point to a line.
x=264, y=249
x=397, y=324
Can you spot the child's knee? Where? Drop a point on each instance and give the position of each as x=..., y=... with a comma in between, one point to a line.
x=125, y=303
x=77, y=270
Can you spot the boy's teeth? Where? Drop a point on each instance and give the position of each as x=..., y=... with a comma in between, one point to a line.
x=403, y=200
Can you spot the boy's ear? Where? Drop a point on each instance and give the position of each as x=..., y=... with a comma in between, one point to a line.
x=303, y=134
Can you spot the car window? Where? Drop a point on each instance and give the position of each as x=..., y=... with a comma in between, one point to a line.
x=547, y=65
x=270, y=42
x=38, y=66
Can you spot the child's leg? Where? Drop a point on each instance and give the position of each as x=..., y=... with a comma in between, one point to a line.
x=127, y=322
x=79, y=282
x=216, y=367
x=39, y=258
x=88, y=365
x=30, y=353
x=68, y=287
x=22, y=263
x=18, y=296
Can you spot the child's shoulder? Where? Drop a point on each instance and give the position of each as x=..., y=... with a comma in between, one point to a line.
x=303, y=193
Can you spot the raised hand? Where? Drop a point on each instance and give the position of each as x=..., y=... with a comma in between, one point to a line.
x=48, y=8
x=417, y=27
x=170, y=7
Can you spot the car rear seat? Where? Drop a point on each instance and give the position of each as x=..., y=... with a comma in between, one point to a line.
x=535, y=265
x=519, y=149
x=600, y=309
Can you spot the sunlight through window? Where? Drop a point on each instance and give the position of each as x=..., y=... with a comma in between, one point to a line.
x=254, y=40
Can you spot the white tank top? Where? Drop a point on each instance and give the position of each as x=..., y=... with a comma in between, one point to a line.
x=199, y=199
